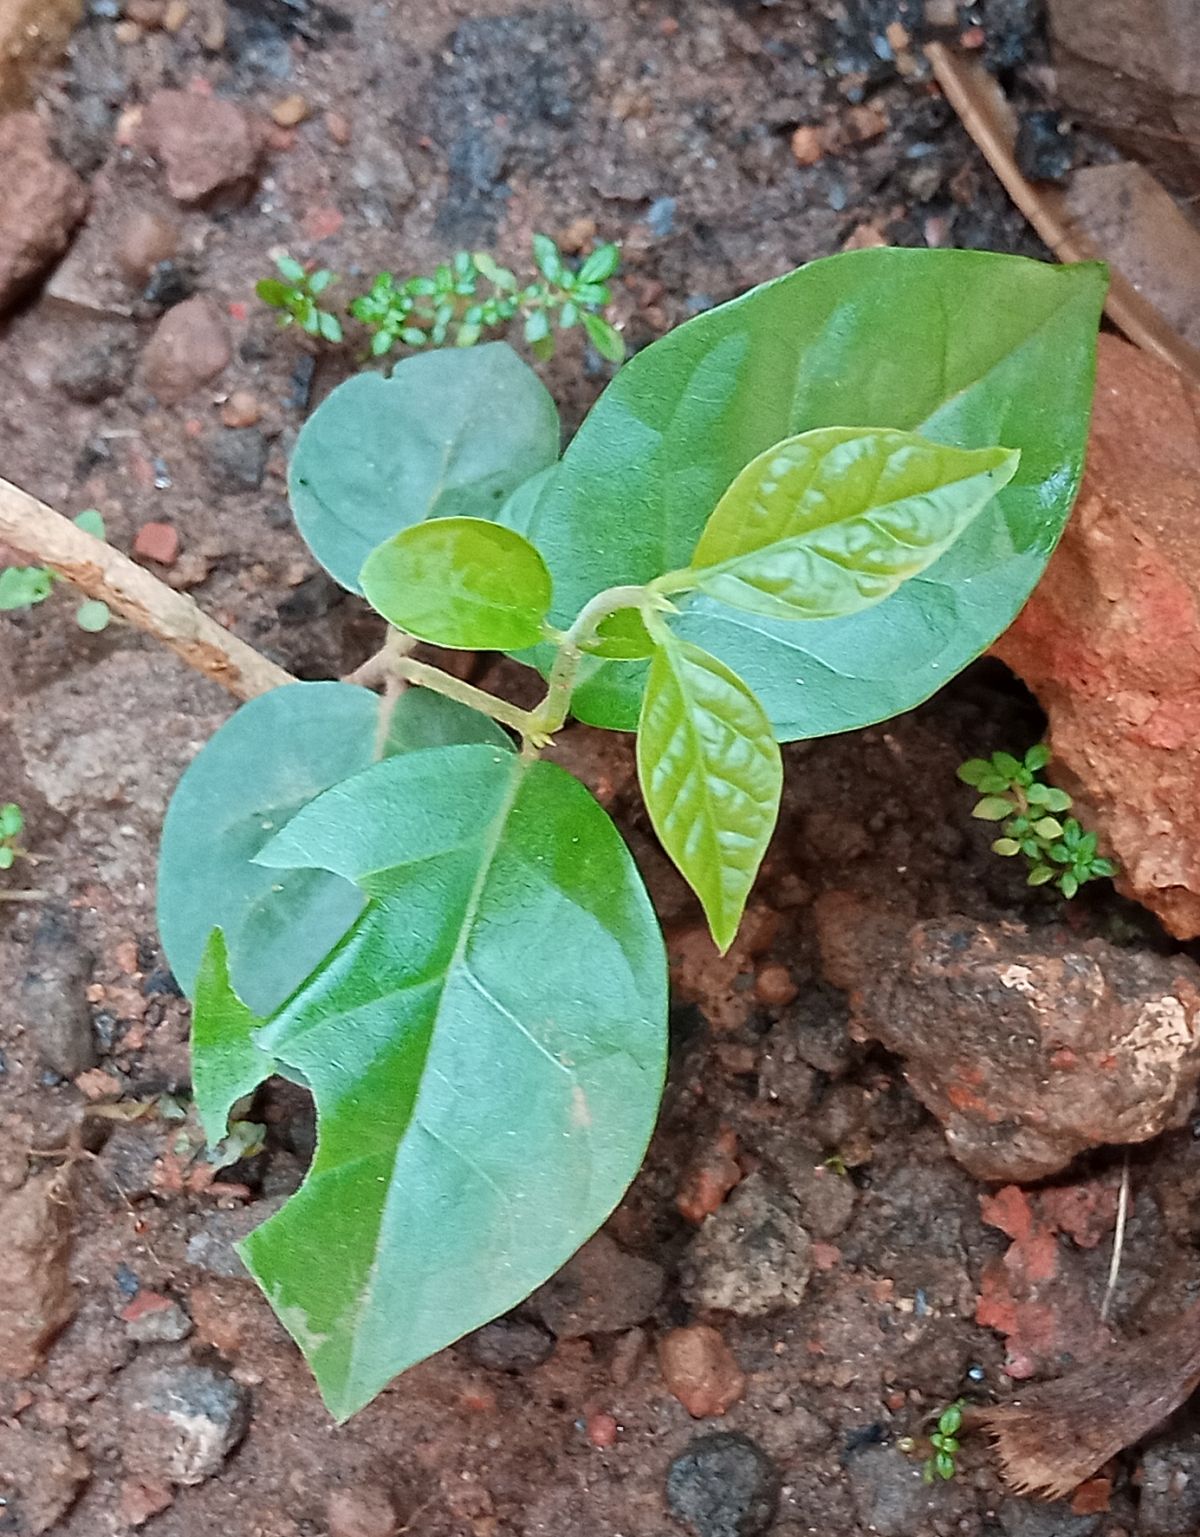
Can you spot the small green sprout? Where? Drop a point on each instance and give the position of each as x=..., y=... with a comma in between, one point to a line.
x=27, y=586
x=943, y=1461
x=294, y=293
x=463, y=301
x=12, y=822
x=1057, y=850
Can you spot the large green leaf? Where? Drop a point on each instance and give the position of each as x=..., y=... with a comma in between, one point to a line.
x=453, y=432
x=269, y=759
x=970, y=349
x=712, y=776
x=460, y=582
x=226, y=1061
x=832, y=521
x=486, y=1048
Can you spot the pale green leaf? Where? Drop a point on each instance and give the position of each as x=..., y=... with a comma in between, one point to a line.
x=226, y=1062
x=829, y=522
x=460, y=582
x=711, y=774
x=486, y=1048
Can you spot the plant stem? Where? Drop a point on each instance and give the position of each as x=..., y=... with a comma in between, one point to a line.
x=552, y=712
x=23, y=896
x=396, y=646
x=100, y=571
x=440, y=682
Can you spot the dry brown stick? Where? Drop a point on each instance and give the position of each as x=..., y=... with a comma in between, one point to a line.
x=988, y=118
x=46, y=538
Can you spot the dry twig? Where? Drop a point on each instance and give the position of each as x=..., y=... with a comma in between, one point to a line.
x=49, y=539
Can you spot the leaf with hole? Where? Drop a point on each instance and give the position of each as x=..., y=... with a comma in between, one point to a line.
x=833, y=521
x=477, y=1118
x=226, y=1062
x=450, y=434
x=267, y=761
x=711, y=774
x=461, y=582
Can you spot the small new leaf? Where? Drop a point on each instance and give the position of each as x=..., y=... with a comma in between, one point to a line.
x=833, y=521
x=711, y=774
x=461, y=582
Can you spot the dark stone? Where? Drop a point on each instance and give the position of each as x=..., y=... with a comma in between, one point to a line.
x=54, y=1006
x=169, y=284
x=600, y=1290
x=1032, y=1518
x=181, y=1421
x=723, y=1485
x=161, y=983
x=237, y=460
x=301, y=382
x=92, y=374
x=1045, y=152
x=509, y=1345
x=891, y=1498
x=504, y=97
x=127, y=1161
x=1170, y=1503
x=1014, y=32
x=315, y=596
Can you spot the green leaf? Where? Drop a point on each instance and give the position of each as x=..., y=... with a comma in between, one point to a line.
x=460, y=582
x=1048, y=828
x=606, y=339
x=1068, y=884
x=1004, y=763
x=1006, y=847
x=226, y=1062
x=993, y=808
x=7, y=857
x=973, y=770
x=91, y=521
x=93, y=616
x=486, y=1049
x=622, y=635
x=329, y=326
x=449, y=434
x=711, y=775
x=271, y=291
x=601, y=264
x=320, y=281
x=547, y=258
x=1037, y=757
x=830, y=522
x=290, y=269
x=267, y=761
x=12, y=820
x=537, y=327
x=967, y=348
x=1039, y=875
x=568, y=316
x=24, y=586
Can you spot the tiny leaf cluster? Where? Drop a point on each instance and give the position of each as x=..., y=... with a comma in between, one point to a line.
x=27, y=586
x=463, y=301
x=943, y=1462
x=12, y=824
x=1057, y=849
x=400, y=903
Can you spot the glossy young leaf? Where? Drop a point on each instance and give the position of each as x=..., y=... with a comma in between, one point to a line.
x=622, y=636
x=450, y=434
x=461, y=582
x=832, y=521
x=266, y=762
x=968, y=348
x=226, y=1062
x=24, y=586
x=486, y=1048
x=711, y=774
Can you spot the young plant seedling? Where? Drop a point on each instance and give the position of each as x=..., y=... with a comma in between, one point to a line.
x=468, y=299
x=12, y=824
x=295, y=294
x=27, y=586
x=756, y=536
x=1057, y=850
x=943, y=1460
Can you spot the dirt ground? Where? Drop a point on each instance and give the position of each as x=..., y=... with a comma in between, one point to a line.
x=474, y=121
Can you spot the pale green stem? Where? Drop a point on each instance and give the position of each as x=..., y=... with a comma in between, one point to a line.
x=674, y=582
x=440, y=682
x=552, y=712
x=396, y=646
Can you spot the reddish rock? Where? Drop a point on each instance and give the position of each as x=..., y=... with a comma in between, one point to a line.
x=139, y=1500
x=709, y=1178
x=1028, y=1046
x=602, y=1430
x=189, y=349
x=35, y=1289
x=41, y=1475
x=43, y=202
x=366, y=1511
x=240, y=410
x=600, y=1290
x=700, y=1370
x=158, y=542
x=208, y=147
x=774, y=986
x=1110, y=640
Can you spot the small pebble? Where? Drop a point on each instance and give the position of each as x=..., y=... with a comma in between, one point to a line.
x=337, y=127
x=240, y=410
x=724, y=1485
x=290, y=111
x=602, y=1430
x=774, y=986
x=700, y=1370
x=158, y=542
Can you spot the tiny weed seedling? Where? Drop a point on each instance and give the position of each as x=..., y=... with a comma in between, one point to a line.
x=463, y=301
x=943, y=1460
x=27, y=586
x=12, y=824
x=295, y=293
x=1057, y=850
x=399, y=902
